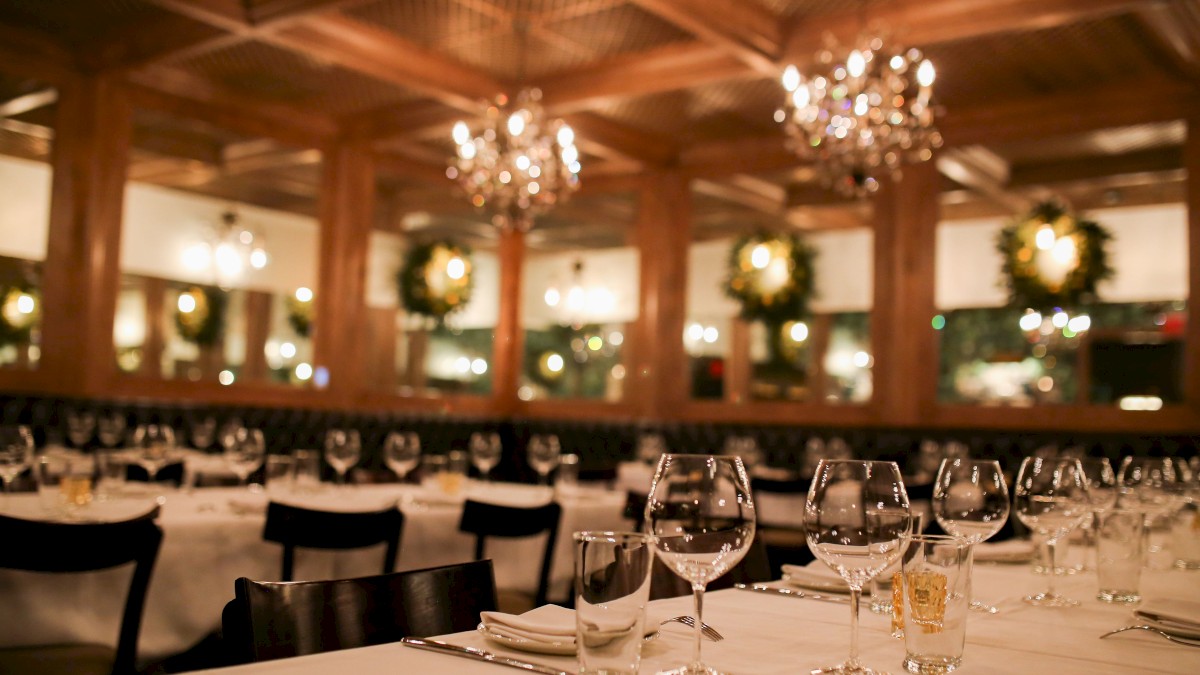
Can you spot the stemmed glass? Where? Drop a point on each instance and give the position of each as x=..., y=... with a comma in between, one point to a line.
x=701, y=514
x=1102, y=494
x=156, y=447
x=856, y=520
x=16, y=453
x=343, y=448
x=485, y=452
x=970, y=500
x=1153, y=485
x=81, y=425
x=1051, y=499
x=402, y=452
x=542, y=453
x=245, y=453
x=203, y=432
x=110, y=429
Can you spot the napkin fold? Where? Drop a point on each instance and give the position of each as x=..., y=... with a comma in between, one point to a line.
x=1173, y=615
x=815, y=575
x=1012, y=550
x=549, y=624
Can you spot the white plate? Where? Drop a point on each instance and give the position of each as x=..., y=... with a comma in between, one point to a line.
x=814, y=582
x=538, y=646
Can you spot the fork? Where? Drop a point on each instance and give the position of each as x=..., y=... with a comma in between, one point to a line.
x=705, y=629
x=1172, y=638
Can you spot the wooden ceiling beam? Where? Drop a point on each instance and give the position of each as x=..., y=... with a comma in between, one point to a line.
x=741, y=156
x=605, y=138
x=158, y=39
x=745, y=30
x=24, y=103
x=433, y=175
x=769, y=202
x=267, y=12
x=228, y=15
x=1154, y=161
x=983, y=171
x=27, y=129
x=30, y=53
x=1176, y=28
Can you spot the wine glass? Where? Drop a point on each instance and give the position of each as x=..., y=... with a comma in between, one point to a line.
x=485, y=452
x=81, y=425
x=1102, y=494
x=970, y=500
x=16, y=453
x=156, y=447
x=343, y=448
x=110, y=429
x=245, y=453
x=203, y=432
x=1154, y=486
x=1051, y=499
x=701, y=513
x=543, y=453
x=856, y=520
x=402, y=452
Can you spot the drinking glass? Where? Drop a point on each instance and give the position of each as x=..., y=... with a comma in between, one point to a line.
x=203, y=433
x=1102, y=494
x=701, y=513
x=156, y=447
x=16, y=453
x=542, y=453
x=110, y=429
x=343, y=448
x=81, y=425
x=970, y=500
x=1155, y=486
x=245, y=453
x=1051, y=498
x=485, y=452
x=856, y=520
x=402, y=452
x=650, y=447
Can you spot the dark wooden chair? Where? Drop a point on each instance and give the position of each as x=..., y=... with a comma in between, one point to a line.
x=784, y=545
x=274, y=620
x=493, y=520
x=635, y=509
x=171, y=473
x=297, y=527
x=57, y=547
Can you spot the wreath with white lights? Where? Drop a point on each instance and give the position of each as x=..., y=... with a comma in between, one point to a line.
x=771, y=276
x=300, y=315
x=206, y=322
x=16, y=326
x=1076, y=243
x=432, y=283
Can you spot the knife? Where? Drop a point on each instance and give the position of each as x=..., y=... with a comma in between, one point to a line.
x=763, y=588
x=481, y=655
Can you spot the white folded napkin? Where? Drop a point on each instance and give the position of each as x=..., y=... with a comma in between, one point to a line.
x=1013, y=550
x=815, y=575
x=548, y=623
x=1173, y=615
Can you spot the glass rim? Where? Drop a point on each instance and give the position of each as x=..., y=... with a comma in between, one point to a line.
x=940, y=538
x=611, y=536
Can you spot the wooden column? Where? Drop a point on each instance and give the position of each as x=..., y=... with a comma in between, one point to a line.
x=508, y=345
x=739, y=369
x=82, y=271
x=903, y=341
x=658, y=363
x=347, y=203
x=258, y=329
x=155, y=290
x=1191, y=162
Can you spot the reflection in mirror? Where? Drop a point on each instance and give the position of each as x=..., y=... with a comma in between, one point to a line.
x=433, y=293
x=27, y=111
x=1122, y=347
x=219, y=255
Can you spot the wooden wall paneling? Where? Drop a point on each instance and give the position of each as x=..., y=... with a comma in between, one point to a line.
x=381, y=349
x=820, y=326
x=258, y=330
x=508, y=344
x=415, y=374
x=1191, y=162
x=82, y=271
x=738, y=367
x=658, y=367
x=155, y=292
x=346, y=209
x=903, y=342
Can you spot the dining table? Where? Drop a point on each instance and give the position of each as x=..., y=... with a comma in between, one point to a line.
x=770, y=633
x=213, y=536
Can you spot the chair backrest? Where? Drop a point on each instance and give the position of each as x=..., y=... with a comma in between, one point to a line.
x=171, y=473
x=494, y=520
x=272, y=620
x=635, y=509
x=294, y=527
x=57, y=547
x=753, y=568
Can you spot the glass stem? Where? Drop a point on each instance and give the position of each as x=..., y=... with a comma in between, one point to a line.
x=855, y=597
x=698, y=594
x=1052, y=557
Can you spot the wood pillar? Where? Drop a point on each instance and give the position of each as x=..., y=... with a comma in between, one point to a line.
x=346, y=207
x=381, y=349
x=82, y=271
x=258, y=329
x=155, y=291
x=1191, y=162
x=658, y=363
x=904, y=343
x=739, y=368
x=508, y=344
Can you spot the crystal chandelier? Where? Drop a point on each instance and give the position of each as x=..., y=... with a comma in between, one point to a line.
x=863, y=115
x=229, y=251
x=520, y=165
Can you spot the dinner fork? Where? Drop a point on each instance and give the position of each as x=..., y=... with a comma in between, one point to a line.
x=705, y=629
x=1172, y=638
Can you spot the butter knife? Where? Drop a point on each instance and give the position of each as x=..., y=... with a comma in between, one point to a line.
x=763, y=588
x=481, y=655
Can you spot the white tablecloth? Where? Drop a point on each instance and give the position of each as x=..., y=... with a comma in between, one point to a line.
x=212, y=536
x=774, y=634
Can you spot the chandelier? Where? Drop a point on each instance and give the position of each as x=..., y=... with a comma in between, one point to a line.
x=579, y=301
x=520, y=165
x=862, y=115
x=228, y=251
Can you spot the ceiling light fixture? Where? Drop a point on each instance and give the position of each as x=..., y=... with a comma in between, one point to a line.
x=861, y=115
x=228, y=252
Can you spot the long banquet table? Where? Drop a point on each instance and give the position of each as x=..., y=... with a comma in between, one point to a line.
x=771, y=634
x=212, y=536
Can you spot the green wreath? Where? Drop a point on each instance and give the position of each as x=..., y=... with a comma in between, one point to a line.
x=1070, y=242
x=17, y=316
x=300, y=315
x=206, y=322
x=436, y=279
x=771, y=276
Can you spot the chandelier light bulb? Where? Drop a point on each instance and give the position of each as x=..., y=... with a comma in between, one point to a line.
x=856, y=63
x=258, y=258
x=791, y=78
x=229, y=263
x=926, y=73
x=461, y=132
x=566, y=136
x=516, y=123
x=466, y=151
x=552, y=297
